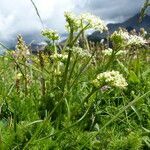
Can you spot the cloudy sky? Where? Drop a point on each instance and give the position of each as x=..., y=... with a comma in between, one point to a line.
x=19, y=16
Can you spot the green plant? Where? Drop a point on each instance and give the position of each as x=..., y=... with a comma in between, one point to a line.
x=76, y=98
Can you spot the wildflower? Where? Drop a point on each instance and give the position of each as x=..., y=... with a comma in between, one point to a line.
x=108, y=52
x=61, y=57
x=121, y=52
x=21, y=48
x=85, y=20
x=81, y=52
x=72, y=21
x=136, y=40
x=123, y=37
x=94, y=22
x=112, y=78
x=50, y=34
x=43, y=57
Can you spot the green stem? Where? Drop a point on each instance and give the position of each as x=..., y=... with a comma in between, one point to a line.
x=73, y=67
x=68, y=62
x=78, y=35
x=82, y=70
x=117, y=115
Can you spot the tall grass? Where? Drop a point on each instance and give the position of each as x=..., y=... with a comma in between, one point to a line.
x=57, y=100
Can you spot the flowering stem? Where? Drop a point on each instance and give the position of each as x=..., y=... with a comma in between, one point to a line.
x=42, y=77
x=74, y=64
x=82, y=70
x=25, y=76
x=64, y=79
x=68, y=61
x=78, y=35
x=112, y=57
x=54, y=45
x=85, y=41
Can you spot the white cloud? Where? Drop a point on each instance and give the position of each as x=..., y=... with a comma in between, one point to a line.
x=19, y=16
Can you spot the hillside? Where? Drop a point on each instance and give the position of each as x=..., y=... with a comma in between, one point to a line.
x=131, y=23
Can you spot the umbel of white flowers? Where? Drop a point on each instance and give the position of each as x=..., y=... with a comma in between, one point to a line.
x=127, y=39
x=84, y=21
x=109, y=51
x=76, y=23
x=110, y=78
x=81, y=52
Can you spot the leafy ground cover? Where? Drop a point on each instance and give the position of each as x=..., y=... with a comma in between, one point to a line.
x=93, y=98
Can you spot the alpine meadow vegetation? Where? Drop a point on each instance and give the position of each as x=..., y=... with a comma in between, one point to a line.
x=79, y=96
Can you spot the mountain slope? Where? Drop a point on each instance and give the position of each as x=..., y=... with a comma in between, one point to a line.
x=131, y=23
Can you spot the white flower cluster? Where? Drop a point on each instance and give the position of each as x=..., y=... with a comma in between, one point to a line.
x=136, y=40
x=128, y=39
x=72, y=21
x=83, y=20
x=120, y=34
x=81, y=52
x=59, y=57
x=50, y=34
x=108, y=52
x=93, y=21
x=112, y=78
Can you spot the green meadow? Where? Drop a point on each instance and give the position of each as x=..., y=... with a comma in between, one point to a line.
x=86, y=96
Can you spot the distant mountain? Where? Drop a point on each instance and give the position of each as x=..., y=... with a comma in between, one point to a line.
x=131, y=23
x=37, y=47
